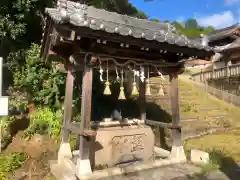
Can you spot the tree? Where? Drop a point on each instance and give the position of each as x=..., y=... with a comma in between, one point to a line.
x=191, y=24
x=20, y=23
x=17, y=34
x=178, y=25
x=119, y=6
x=155, y=20
x=21, y=20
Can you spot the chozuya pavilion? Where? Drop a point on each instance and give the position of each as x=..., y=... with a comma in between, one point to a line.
x=88, y=40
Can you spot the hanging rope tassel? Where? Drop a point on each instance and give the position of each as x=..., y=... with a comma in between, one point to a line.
x=134, y=89
x=161, y=91
x=122, y=94
x=107, y=90
x=148, y=88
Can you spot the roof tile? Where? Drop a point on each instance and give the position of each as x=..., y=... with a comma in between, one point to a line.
x=98, y=19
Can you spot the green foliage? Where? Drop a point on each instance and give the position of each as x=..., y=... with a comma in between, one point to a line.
x=18, y=100
x=119, y=6
x=178, y=25
x=20, y=23
x=188, y=107
x=10, y=162
x=43, y=83
x=44, y=121
x=218, y=159
x=191, y=28
x=155, y=20
x=191, y=24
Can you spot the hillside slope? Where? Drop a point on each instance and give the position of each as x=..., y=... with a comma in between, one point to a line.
x=201, y=113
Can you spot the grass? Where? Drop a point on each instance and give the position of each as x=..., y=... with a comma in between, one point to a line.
x=228, y=143
x=192, y=104
x=223, y=147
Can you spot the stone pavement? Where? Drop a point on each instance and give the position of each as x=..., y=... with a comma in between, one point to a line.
x=180, y=172
x=170, y=172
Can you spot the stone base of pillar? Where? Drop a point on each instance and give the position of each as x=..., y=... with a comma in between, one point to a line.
x=83, y=167
x=64, y=152
x=177, y=152
x=64, y=171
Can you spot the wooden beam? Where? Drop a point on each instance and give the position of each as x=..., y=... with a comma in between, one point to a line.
x=174, y=93
x=67, y=106
x=85, y=32
x=86, y=132
x=162, y=124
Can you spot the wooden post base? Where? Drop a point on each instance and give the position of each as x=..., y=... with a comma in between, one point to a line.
x=64, y=171
x=178, y=153
x=83, y=167
x=64, y=152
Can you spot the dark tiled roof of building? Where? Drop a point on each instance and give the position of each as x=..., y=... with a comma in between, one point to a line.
x=221, y=33
x=97, y=19
x=234, y=45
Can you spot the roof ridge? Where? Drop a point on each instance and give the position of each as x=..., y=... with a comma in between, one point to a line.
x=215, y=32
x=172, y=27
x=81, y=15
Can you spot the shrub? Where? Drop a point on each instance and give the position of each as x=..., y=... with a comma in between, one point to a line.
x=43, y=83
x=10, y=162
x=44, y=121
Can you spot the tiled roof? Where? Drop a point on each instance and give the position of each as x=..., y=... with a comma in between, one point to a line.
x=234, y=45
x=97, y=19
x=220, y=33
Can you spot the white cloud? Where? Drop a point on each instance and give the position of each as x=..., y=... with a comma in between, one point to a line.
x=220, y=20
x=231, y=2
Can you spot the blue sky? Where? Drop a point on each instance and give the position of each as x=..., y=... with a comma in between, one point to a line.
x=218, y=13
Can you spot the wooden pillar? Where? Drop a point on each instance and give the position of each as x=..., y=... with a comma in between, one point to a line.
x=65, y=148
x=86, y=106
x=67, y=106
x=83, y=163
x=175, y=109
x=177, y=147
